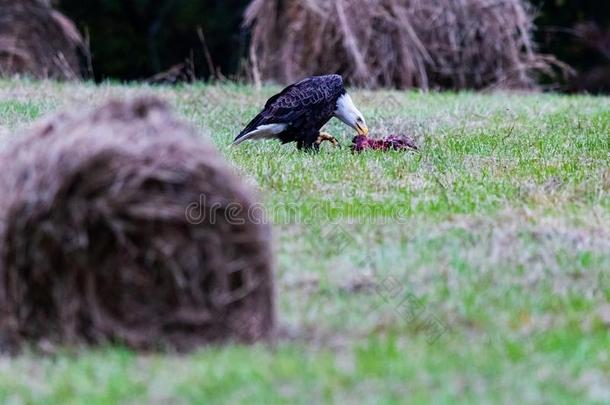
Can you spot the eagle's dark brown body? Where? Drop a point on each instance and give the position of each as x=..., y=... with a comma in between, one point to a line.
x=304, y=108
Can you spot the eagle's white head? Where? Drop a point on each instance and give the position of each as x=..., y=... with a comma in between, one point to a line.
x=348, y=113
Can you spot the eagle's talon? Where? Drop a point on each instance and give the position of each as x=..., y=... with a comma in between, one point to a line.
x=325, y=136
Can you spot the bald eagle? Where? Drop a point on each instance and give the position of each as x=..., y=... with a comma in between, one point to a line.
x=299, y=112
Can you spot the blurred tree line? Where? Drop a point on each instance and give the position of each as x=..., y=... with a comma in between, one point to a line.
x=138, y=39
x=578, y=33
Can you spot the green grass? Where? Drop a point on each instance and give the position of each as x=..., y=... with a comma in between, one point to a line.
x=476, y=270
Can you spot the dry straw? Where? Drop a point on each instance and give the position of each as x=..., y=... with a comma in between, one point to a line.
x=122, y=226
x=456, y=44
x=40, y=42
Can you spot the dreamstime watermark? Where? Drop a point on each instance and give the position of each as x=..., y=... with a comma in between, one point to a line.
x=410, y=308
x=212, y=211
x=406, y=305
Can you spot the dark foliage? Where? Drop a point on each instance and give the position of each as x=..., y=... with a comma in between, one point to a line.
x=138, y=39
x=578, y=33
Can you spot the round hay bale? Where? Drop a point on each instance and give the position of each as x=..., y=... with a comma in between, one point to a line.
x=37, y=41
x=121, y=226
x=455, y=44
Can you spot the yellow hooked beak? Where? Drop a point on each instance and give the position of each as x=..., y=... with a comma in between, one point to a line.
x=362, y=129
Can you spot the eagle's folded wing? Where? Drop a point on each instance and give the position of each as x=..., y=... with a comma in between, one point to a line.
x=290, y=108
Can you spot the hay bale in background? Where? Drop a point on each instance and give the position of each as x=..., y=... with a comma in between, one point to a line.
x=37, y=41
x=121, y=226
x=455, y=44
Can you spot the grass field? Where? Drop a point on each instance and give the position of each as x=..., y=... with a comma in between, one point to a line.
x=477, y=269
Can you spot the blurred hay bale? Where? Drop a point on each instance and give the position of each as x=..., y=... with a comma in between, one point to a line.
x=121, y=226
x=37, y=41
x=453, y=44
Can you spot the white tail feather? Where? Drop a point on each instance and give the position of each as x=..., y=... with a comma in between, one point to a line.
x=262, y=132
